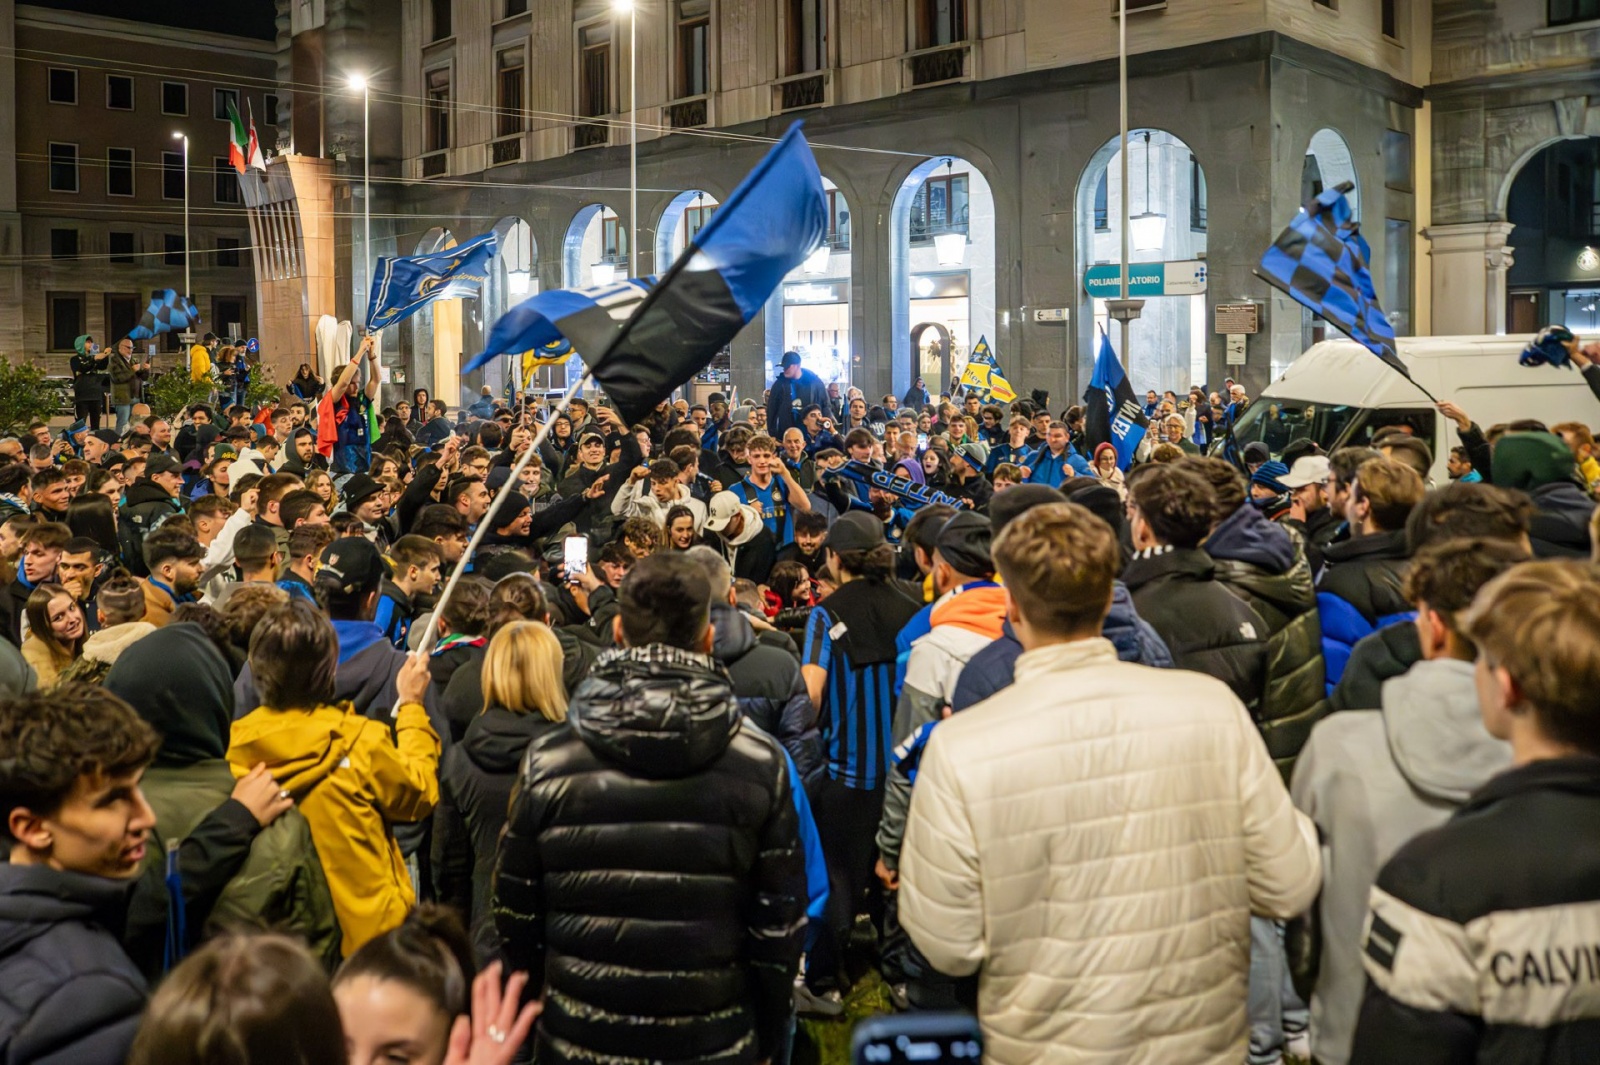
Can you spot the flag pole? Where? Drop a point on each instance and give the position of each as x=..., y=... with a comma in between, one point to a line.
x=429, y=633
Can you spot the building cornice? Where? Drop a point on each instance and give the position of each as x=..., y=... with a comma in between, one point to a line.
x=130, y=32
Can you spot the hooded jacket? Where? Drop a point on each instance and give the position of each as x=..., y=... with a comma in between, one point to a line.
x=72, y=997
x=1360, y=591
x=1266, y=565
x=1379, y=656
x=769, y=687
x=145, y=506
x=787, y=401
x=352, y=783
x=234, y=872
x=1371, y=780
x=962, y=622
x=108, y=644
x=650, y=877
x=1560, y=524
x=1207, y=628
x=475, y=781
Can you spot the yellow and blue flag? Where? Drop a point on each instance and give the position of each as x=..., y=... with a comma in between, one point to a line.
x=983, y=378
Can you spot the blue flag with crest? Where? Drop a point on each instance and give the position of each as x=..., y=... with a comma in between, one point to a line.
x=642, y=337
x=402, y=286
x=1111, y=413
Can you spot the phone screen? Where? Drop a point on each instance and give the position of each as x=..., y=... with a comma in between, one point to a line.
x=922, y=441
x=918, y=1039
x=575, y=555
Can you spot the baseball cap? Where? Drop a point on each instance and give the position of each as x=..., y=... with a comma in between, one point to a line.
x=358, y=487
x=855, y=531
x=590, y=435
x=791, y=358
x=721, y=509
x=964, y=542
x=352, y=565
x=1313, y=469
x=161, y=462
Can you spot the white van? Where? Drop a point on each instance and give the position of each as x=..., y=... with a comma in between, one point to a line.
x=1339, y=394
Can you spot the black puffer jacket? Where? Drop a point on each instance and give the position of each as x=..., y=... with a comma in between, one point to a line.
x=1560, y=526
x=475, y=780
x=147, y=506
x=768, y=685
x=68, y=993
x=1266, y=566
x=1206, y=627
x=1361, y=590
x=650, y=875
x=1381, y=656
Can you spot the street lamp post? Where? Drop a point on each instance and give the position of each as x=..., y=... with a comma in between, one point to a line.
x=1124, y=310
x=629, y=7
x=360, y=84
x=188, y=289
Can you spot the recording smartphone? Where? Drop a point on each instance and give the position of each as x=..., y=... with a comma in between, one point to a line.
x=922, y=441
x=575, y=555
x=917, y=1039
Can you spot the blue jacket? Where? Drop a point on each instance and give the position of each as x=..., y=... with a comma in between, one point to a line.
x=484, y=408
x=1360, y=591
x=1021, y=456
x=1051, y=470
x=993, y=668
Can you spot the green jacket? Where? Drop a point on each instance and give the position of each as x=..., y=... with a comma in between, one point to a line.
x=281, y=885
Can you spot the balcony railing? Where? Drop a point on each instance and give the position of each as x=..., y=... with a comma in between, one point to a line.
x=590, y=135
x=508, y=150
x=807, y=91
x=938, y=65
x=687, y=114
x=436, y=164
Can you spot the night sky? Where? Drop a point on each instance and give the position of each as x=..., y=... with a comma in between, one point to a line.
x=244, y=18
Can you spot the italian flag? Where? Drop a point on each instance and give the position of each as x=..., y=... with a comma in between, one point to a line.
x=244, y=151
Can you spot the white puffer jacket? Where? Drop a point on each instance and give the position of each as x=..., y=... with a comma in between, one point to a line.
x=1092, y=842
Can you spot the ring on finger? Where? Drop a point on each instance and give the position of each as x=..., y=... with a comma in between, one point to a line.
x=496, y=1034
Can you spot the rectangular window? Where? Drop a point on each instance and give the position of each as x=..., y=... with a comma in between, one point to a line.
x=441, y=20
x=174, y=98
x=119, y=92
x=1197, y=196
x=63, y=85
x=1331, y=5
x=120, y=245
x=227, y=313
x=1563, y=12
x=1390, y=19
x=594, y=70
x=1102, y=201
x=695, y=217
x=613, y=239
x=228, y=251
x=516, y=7
x=508, y=118
x=63, y=167
x=220, y=99
x=940, y=206
x=269, y=109
x=438, y=110
x=805, y=36
x=941, y=22
x=1397, y=273
x=694, y=40
x=63, y=244
x=66, y=319
x=1397, y=160
x=224, y=181
x=838, y=221
x=119, y=171
x=173, y=179
x=173, y=244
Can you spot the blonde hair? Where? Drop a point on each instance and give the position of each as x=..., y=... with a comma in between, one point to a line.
x=522, y=671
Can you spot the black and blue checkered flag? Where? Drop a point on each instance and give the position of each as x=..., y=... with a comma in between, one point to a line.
x=1321, y=260
x=168, y=313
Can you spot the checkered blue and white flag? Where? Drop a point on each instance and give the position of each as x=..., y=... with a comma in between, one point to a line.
x=1321, y=261
x=168, y=313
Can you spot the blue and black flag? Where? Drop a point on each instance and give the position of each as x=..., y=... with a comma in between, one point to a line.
x=168, y=313
x=1111, y=413
x=402, y=286
x=1321, y=261
x=642, y=338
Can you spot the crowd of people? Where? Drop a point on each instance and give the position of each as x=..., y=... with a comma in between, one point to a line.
x=1189, y=761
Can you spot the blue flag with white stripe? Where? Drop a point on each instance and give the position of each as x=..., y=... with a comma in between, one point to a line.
x=641, y=337
x=402, y=286
x=1321, y=261
x=1111, y=412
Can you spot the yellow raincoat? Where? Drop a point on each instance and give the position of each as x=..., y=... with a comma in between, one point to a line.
x=199, y=363
x=351, y=782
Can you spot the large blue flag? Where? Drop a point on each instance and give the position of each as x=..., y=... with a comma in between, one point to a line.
x=168, y=313
x=642, y=338
x=1321, y=260
x=403, y=286
x=1111, y=413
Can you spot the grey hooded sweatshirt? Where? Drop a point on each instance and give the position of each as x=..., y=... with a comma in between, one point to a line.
x=1371, y=780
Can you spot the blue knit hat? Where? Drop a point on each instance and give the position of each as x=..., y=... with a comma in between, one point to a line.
x=1271, y=475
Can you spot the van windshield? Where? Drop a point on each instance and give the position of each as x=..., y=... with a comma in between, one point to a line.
x=1278, y=422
